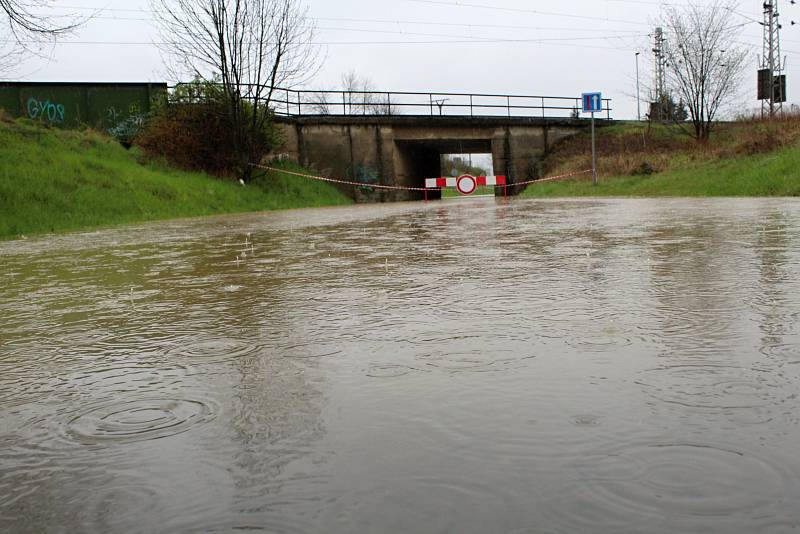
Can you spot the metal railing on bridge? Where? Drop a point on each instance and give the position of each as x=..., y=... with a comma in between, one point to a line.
x=303, y=103
x=300, y=103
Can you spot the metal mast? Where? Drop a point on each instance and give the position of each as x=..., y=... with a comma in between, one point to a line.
x=661, y=71
x=772, y=82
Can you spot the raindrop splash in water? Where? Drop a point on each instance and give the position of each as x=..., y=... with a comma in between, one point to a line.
x=137, y=420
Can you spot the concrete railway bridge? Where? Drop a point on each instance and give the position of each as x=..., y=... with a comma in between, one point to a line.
x=399, y=138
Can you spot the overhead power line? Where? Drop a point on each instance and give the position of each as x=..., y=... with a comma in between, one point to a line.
x=488, y=39
x=431, y=2
x=476, y=25
x=545, y=41
x=473, y=26
x=522, y=10
x=606, y=32
x=619, y=33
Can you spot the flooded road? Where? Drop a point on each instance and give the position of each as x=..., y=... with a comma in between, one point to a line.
x=459, y=366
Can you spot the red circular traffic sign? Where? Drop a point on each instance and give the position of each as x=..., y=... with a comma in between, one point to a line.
x=466, y=184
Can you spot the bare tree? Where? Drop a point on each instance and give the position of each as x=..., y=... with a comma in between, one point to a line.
x=353, y=100
x=253, y=46
x=26, y=29
x=22, y=19
x=357, y=96
x=362, y=97
x=704, y=62
x=320, y=103
x=382, y=105
x=351, y=83
x=10, y=53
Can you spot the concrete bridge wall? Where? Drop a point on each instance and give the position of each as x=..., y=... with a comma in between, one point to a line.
x=404, y=150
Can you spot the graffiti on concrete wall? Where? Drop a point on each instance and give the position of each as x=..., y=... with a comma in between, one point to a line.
x=127, y=129
x=68, y=105
x=366, y=174
x=125, y=126
x=112, y=115
x=115, y=116
x=46, y=110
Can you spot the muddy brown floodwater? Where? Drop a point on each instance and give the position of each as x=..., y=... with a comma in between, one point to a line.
x=465, y=366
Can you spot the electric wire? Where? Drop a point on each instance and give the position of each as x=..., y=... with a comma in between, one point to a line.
x=471, y=26
x=554, y=41
x=608, y=34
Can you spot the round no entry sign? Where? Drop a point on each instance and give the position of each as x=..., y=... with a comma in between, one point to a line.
x=466, y=184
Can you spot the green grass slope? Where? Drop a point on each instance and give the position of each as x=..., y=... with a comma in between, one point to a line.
x=56, y=180
x=773, y=174
x=747, y=157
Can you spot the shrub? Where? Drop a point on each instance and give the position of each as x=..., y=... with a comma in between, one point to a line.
x=196, y=130
x=645, y=169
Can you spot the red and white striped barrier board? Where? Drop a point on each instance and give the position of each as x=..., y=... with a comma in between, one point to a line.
x=432, y=183
x=466, y=184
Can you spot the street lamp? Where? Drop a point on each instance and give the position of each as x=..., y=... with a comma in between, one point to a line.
x=638, y=102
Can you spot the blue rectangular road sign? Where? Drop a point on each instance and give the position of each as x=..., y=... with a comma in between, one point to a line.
x=592, y=102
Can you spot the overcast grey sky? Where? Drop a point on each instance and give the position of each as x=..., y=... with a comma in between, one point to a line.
x=486, y=46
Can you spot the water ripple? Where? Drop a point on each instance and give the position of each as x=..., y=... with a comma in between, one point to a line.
x=719, y=387
x=137, y=420
x=639, y=484
x=215, y=350
x=470, y=366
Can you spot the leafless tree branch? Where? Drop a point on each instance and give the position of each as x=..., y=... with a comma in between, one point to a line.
x=361, y=97
x=705, y=63
x=27, y=18
x=251, y=46
x=26, y=28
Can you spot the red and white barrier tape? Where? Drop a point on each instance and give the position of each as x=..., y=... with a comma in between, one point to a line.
x=345, y=182
x=406, y=188
x=553, y=178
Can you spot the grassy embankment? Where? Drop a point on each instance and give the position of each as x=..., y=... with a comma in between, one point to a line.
x=57, y=180
x=743, y=158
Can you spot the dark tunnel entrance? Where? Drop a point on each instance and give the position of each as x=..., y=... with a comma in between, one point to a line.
x=419, y=159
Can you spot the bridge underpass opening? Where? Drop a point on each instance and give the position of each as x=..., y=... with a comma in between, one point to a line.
x=478, y=164
x=416, y=160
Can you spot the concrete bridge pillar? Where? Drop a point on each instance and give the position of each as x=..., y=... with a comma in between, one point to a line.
x=502, y=161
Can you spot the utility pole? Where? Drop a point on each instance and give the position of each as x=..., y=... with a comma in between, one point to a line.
x=771, y=80
x=661, y=73
x=638, y=100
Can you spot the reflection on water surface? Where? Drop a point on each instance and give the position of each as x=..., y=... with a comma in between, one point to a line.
x=468, y=366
